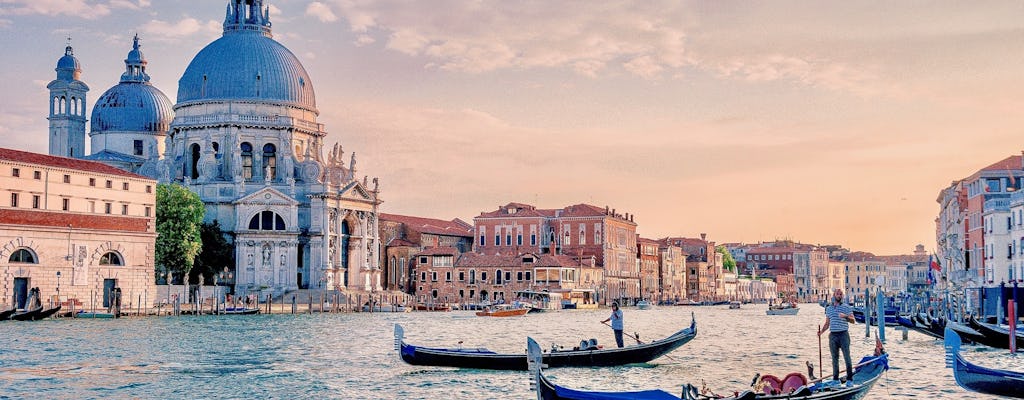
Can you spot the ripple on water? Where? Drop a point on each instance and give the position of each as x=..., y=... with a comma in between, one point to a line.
x=352, y=356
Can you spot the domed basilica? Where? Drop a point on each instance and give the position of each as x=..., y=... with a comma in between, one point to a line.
x=244, y=136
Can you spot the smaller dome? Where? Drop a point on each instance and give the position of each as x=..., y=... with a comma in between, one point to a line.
x=68, y=67
x=132, y=107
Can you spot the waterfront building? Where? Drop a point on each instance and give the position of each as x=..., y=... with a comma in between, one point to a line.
x=404, y=236
x=1015, y=271
x=965, y=207
x=581, y=231
x=651, y=284
x=999, y=245
x=244, y=136
x=950, y=234
x=672, y=272
x=704, y=267
x=75, y=229
x=443, y=275
x=862, y=270
x=836, y=276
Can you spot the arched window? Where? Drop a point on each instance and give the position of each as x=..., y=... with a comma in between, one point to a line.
x=55, y=107
x=22, y=256
x=246, y=161
x=497, y=277
x=267, y=221
x=74, y=106
x=270, y=161
x=111, y=258
x=195, y=161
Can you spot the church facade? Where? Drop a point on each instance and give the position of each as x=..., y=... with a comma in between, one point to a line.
x=244, y=136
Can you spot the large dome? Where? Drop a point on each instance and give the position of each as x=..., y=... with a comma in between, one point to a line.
x=132, y=107
x=246, y=65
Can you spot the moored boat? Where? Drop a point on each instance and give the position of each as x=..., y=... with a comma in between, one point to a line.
x=587, y=354
x=240, y=310
x=977, y=378
x=867, y=372
x=995, y=335
x=36, y=314
x=4, y=315
x=644, y=305
x=734, y=305
x=101, y=315
x=432, y=307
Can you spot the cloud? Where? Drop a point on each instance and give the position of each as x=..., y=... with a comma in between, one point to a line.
x=163, y=30
x=321, y=11
x=588, y=39
x=53, y=8
x=5, y=23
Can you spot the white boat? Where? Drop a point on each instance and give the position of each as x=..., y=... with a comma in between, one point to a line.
x=783, y=309
x=644, y=305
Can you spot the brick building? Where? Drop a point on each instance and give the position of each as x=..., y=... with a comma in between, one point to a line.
x=405, y=236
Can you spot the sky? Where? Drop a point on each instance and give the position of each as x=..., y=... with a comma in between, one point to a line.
x=824, y=122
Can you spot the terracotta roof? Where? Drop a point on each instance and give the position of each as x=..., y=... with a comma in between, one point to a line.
x=583, y=210
x=62, y=220
x=522, y=211
x=455, y=227
x=1011, y=162
x=64, y=163
x=396, y=242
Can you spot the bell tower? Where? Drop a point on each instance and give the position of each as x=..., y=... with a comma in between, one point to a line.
x=67, y=107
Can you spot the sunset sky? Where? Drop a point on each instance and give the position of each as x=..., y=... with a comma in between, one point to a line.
x=825, y=122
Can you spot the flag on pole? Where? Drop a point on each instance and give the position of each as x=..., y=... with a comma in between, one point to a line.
x=933, y=265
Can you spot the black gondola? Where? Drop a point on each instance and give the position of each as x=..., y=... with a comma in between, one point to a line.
x=35, y=315
x=995, y=335
x=917, y=323
x=586, y=355
x=5, y=315
x=868, y=371
x=980, y=379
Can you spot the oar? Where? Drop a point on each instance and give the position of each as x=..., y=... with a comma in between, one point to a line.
x=820, y=367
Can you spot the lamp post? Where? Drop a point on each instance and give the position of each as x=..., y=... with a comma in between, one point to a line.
x=58, y=287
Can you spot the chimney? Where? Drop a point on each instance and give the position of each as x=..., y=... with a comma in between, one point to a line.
x=703, y=236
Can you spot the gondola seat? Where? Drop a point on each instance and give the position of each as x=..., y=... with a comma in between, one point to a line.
x=793, y=382
x=772, y=384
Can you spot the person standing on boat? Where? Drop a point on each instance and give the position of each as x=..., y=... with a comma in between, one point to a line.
x=838, y=317
x=616, y=319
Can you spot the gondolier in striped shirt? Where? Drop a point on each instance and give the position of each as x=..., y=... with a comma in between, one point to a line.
x=838, y=317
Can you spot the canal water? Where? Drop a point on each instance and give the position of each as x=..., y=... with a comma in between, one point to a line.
x=351, y=356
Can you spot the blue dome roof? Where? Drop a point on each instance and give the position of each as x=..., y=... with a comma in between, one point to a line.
x=68, y=67
x=132, y=107
x=247, y=65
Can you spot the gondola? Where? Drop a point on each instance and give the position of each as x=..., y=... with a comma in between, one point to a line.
x=867, y=372
x=890, y=316
x=980, y=379
x=5, y=315
x=783, y=309
x=916, y=323
x=240, y=311
x=588, y=354
x=35, y=315
x=995, y=335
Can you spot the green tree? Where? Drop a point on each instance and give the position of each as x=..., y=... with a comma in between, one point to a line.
x=727, y=261
x=179, y=215
x=216, y=253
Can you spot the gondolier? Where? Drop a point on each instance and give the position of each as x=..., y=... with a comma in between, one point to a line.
x=616, y=319
x=838, y=317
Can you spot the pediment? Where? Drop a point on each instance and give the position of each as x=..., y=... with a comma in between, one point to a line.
x=268, y=196
x=356, y=191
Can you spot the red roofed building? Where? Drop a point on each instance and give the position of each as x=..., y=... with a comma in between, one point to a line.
x=404, y=236
x=582, y=231
x=73, y=227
